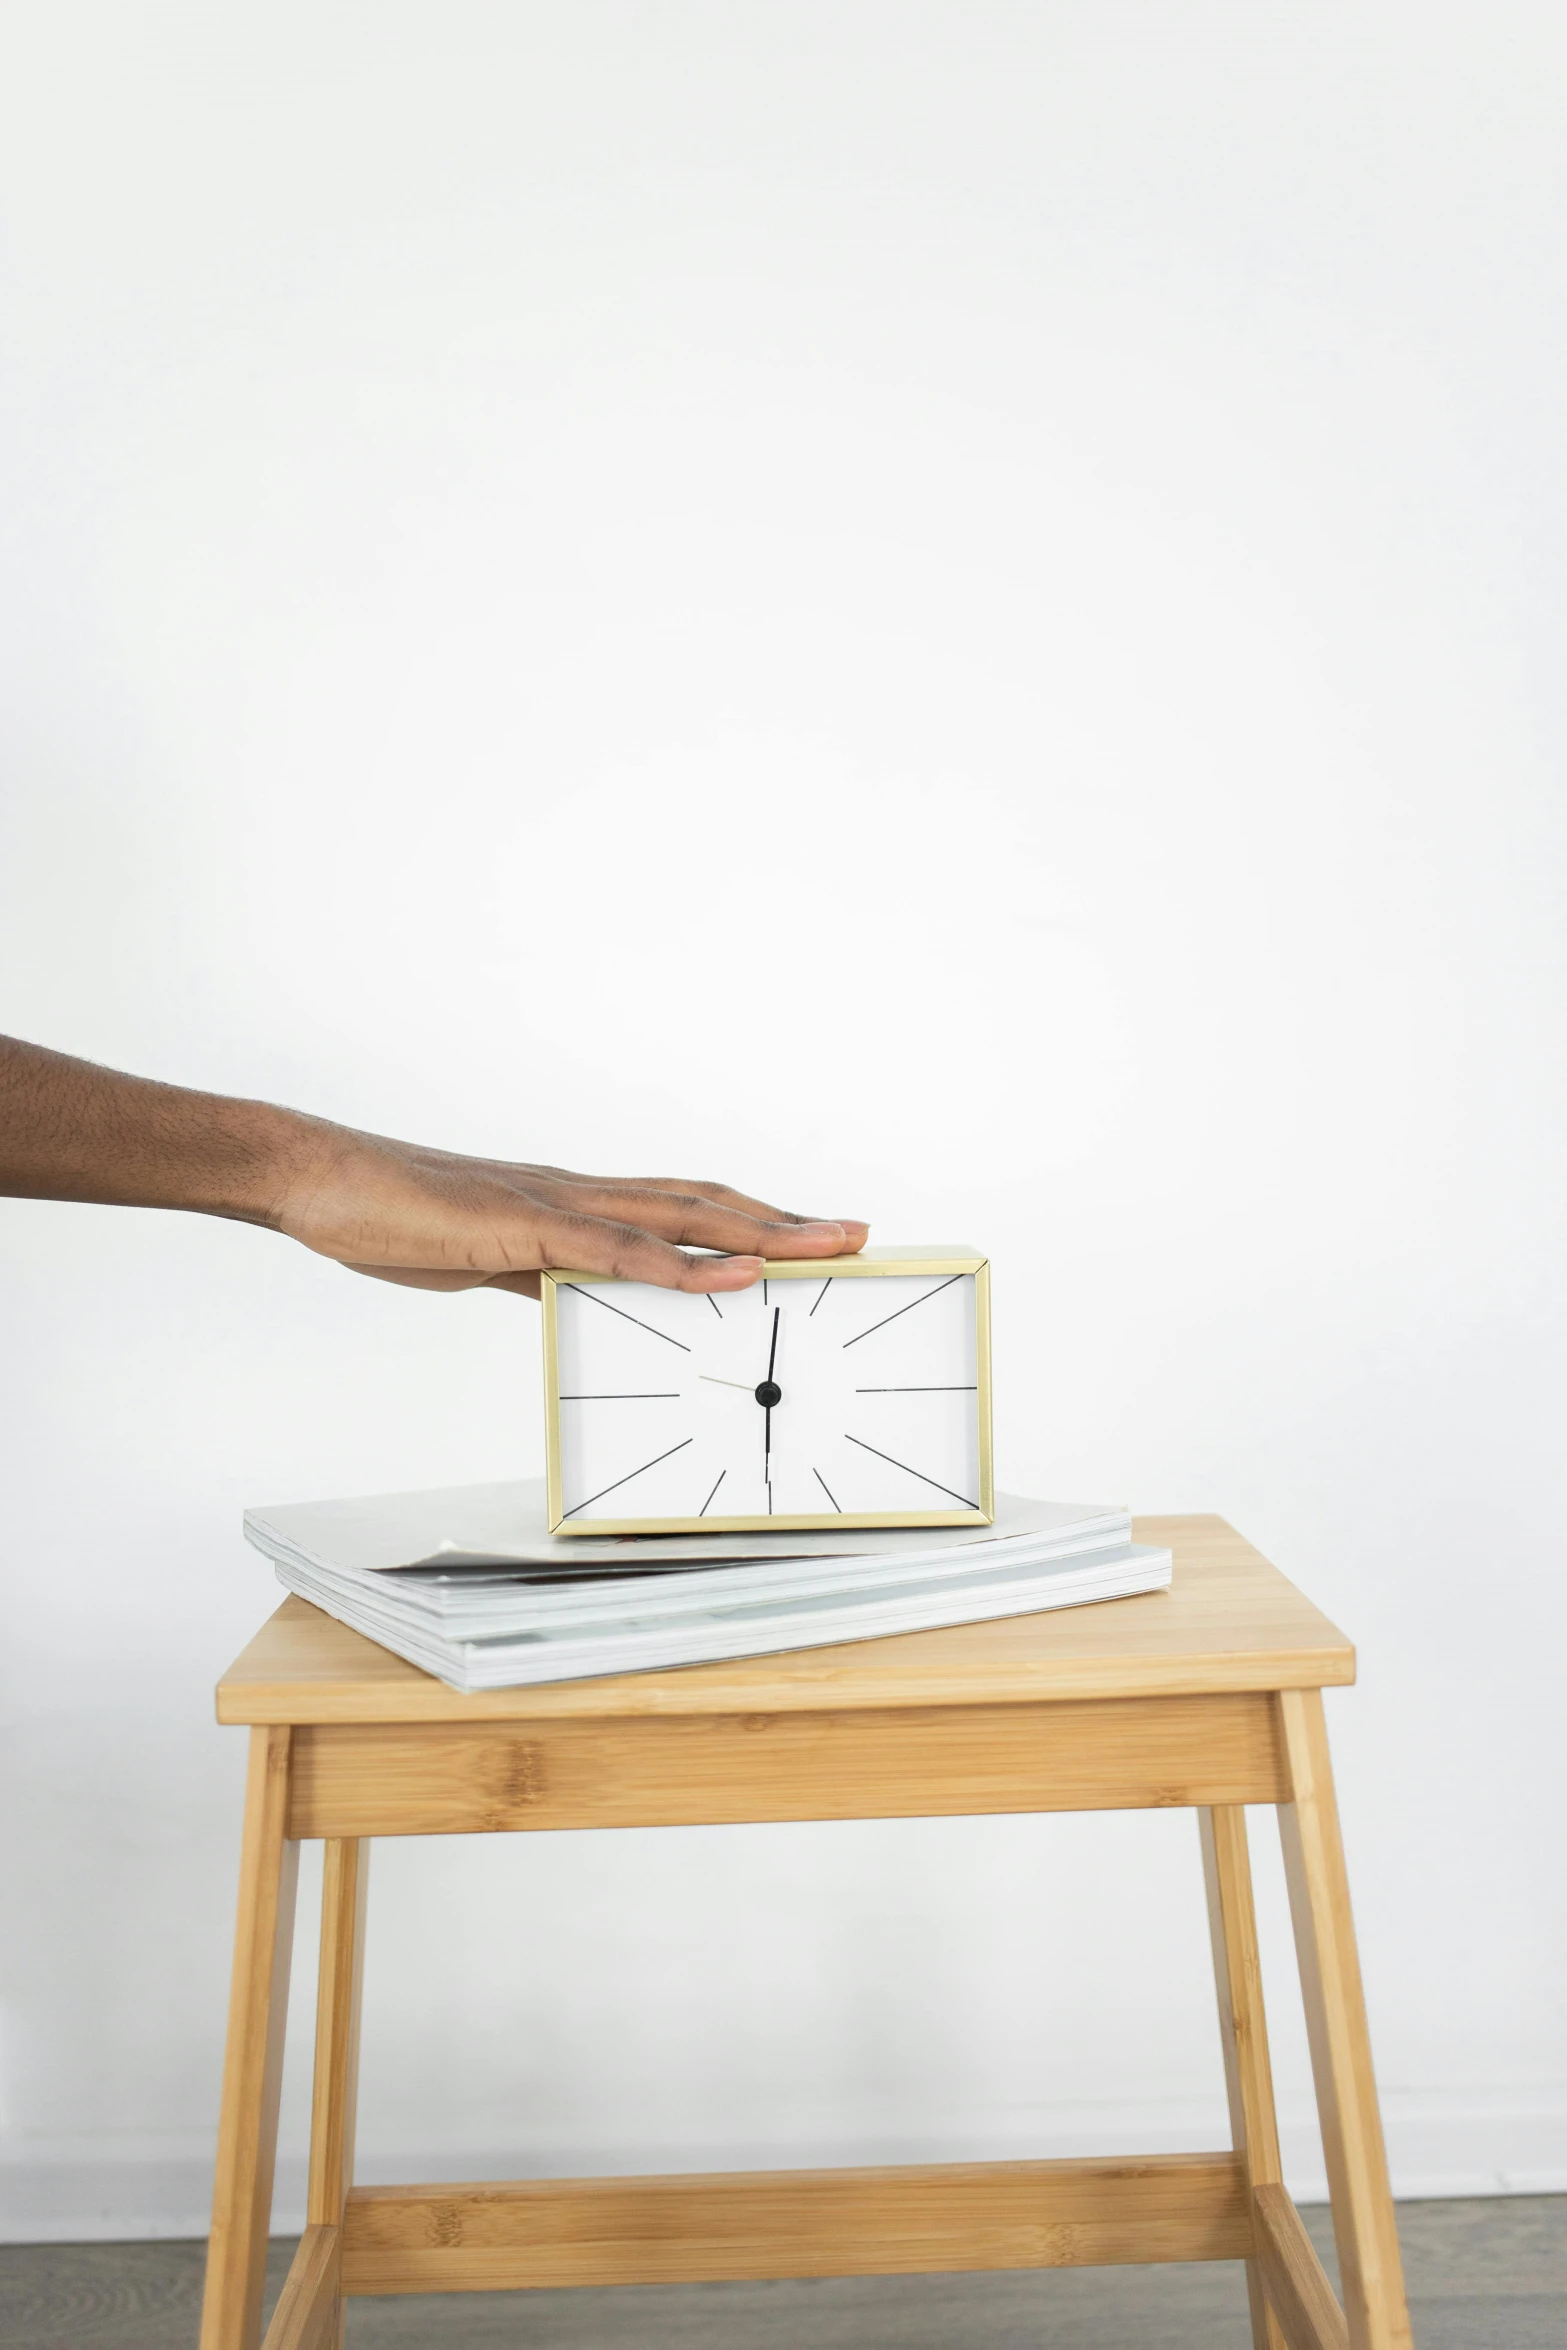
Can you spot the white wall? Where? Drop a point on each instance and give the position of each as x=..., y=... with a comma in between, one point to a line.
x=949, y=611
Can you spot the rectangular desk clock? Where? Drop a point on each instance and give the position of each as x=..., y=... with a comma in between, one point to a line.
x=850, y=1391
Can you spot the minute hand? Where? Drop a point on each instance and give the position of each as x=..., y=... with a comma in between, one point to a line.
x=767, y=1430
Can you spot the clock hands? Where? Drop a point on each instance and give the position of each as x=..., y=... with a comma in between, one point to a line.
x=767, y=1391
x=767, y=1394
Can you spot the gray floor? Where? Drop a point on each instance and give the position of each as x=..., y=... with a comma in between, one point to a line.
x=1482, y=2276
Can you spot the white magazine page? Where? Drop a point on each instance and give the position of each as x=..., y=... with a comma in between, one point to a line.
x=713, y=1634
x=505, y=1525
x=458, y=1603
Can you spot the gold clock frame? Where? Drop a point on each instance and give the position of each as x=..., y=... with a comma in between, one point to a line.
x=870, y=1265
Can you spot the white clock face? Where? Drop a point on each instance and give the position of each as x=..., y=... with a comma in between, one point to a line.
x=848, y=1395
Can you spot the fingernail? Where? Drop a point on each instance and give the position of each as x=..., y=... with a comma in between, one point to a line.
x=824, y=1230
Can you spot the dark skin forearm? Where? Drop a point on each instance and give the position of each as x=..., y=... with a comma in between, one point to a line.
x=70, y=1130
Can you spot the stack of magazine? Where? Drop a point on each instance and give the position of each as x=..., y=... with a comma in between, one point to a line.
x=468, y=1583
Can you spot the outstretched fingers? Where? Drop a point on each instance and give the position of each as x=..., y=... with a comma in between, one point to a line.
x=723, y=1195
x=692, y=1220
x=603, y=1244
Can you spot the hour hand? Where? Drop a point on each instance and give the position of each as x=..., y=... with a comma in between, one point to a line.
x=768, y=1391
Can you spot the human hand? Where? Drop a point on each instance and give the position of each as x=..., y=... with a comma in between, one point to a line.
x=72, y=1130
x=433, y=1220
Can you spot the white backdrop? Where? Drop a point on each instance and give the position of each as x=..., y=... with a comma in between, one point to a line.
x=951, y=612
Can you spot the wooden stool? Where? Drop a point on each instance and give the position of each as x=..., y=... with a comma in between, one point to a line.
x=1206, y=1695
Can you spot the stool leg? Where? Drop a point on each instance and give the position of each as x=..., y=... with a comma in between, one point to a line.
x=343, y=1876
x=1243, y=2026
x=253, y=2059
x=1363, y=2221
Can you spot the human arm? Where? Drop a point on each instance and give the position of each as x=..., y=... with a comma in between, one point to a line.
x=70, y=1130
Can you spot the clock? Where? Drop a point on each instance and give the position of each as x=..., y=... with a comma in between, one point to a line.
x=841, y=1392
